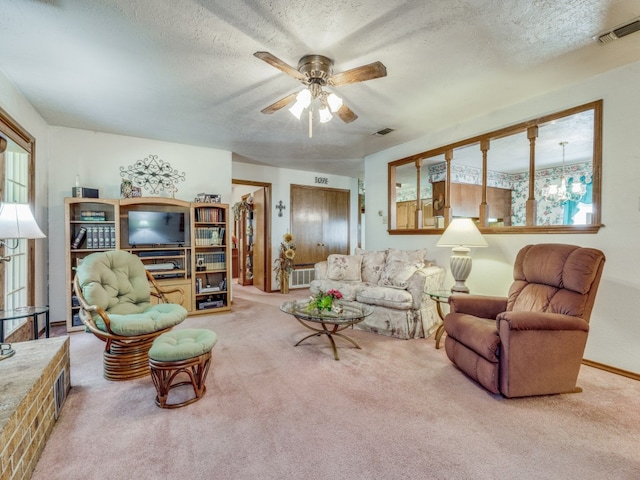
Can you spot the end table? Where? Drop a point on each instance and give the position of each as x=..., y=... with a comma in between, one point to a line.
x=440, y=297
x=25, y=312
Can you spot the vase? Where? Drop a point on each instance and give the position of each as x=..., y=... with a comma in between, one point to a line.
x=284, y=282
x=336, y=307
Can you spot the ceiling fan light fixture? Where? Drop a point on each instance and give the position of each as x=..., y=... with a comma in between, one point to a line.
x=334, y=101
x=297, y=109
x=303, y=100
x=325, y=115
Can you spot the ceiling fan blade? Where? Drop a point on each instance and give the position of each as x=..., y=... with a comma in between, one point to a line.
x=280, y=65
x=283, y=102
x=346, y=114
x=359, y=74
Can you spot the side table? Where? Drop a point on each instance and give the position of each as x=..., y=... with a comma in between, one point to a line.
x=440, y=297
x=25, y=312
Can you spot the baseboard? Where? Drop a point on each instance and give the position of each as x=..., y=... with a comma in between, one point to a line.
x=609, y=368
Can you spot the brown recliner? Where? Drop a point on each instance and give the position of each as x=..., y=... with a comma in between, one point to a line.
x=532, y=342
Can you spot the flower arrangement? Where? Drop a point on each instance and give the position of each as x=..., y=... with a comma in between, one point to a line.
x=324, y=301
x=283, y=265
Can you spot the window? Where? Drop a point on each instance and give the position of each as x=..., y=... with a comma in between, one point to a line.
x=507, y=180
x=16, y=169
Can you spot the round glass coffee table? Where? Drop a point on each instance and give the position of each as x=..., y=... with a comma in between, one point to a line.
x=332, y=323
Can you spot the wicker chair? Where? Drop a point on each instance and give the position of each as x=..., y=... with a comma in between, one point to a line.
x=115, y=291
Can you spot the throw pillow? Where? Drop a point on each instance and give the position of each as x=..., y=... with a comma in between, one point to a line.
x=372, y=265
x=344, y=267
x=406, y=256
x=398, y=274
x=400, y=265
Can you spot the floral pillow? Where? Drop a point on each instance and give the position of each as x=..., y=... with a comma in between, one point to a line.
x=344, y=267
x=406, y=256
x=372, y=265
x=400, y=266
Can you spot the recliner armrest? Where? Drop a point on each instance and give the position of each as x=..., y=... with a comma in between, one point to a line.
x=478, y=305
x=541, y=321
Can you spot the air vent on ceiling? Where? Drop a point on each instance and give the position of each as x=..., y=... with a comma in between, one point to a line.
x=383, y=132
x=619, y=32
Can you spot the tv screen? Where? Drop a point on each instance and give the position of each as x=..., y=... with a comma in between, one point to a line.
x=156, y=228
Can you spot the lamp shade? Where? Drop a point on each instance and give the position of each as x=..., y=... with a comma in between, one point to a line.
x=16, y=221
x=462, y=232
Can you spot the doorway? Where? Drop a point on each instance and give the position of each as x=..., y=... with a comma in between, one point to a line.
x=251, y=249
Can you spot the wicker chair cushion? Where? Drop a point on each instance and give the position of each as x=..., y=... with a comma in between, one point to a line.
x=115, y=281
x=182, y=344
x=154, y=318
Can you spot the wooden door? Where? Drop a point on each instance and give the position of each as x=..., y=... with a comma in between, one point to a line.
x=319, y=222
x=259, y=214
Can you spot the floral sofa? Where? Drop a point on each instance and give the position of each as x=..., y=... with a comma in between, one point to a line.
x=394, y=282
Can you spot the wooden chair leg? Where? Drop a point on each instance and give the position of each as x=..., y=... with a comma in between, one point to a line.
x=164, y=374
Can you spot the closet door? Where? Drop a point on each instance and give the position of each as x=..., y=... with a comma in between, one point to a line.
x=319, y=222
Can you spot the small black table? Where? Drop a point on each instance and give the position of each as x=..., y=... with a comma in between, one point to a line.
x=25, y=312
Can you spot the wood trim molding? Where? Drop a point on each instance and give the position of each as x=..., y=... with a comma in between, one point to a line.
x=610, y=369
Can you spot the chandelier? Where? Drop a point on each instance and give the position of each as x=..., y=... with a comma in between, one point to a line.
x=567, y=190
x=329, y=103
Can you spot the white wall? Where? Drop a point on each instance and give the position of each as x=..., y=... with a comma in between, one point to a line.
x=14, y=104
x=96, y=158
x=281, y=180
x=615, y=327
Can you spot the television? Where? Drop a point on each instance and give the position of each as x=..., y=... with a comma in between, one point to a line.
x=156, y=228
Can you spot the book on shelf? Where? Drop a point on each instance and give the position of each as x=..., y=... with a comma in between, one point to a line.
x=93, y=216
x=79, y=238
x=206, y=236
x=212, y=215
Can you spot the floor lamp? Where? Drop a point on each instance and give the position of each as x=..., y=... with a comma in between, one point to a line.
x=16, y=222
x=461, y=234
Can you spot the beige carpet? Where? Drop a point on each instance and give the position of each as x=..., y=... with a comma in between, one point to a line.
x=397, y=409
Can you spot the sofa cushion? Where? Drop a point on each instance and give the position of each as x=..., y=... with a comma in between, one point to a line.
x=385, y=297
x=344, y=267
x=372, y=264
x=400, y=265
x=347, y=289
x=406, y=256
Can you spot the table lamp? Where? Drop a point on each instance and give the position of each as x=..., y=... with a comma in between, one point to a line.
x=461, y=234
x=16, y=222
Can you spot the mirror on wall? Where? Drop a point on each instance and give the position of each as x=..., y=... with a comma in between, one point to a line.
x=539, y=175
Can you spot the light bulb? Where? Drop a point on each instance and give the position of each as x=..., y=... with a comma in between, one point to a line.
x=304, y=97
x=334, y=101
x=297, y=109
x=325, y=115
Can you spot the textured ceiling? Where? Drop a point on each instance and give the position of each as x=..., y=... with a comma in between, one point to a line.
x=183, y=71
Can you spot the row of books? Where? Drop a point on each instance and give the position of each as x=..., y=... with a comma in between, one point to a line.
x=95, y=237
x=93, y=216
x=206, y=236
x=211, y=261
x=209, y=215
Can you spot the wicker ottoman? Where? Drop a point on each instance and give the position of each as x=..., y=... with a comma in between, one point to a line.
x=185, y=351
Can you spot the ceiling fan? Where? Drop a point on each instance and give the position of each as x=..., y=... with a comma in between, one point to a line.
x=315, y=72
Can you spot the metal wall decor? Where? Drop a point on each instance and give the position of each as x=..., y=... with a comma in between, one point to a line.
x=280, y=206
x=153, y=174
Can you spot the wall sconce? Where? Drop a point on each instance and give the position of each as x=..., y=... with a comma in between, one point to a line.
x=17, y=222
